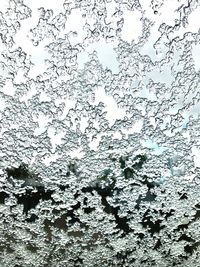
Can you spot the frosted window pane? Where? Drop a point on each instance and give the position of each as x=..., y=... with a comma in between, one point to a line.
x=99, y=133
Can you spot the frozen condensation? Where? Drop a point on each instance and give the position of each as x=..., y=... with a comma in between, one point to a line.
x=99, y=133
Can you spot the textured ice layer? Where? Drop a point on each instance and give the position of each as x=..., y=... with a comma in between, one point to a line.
x=99, y=133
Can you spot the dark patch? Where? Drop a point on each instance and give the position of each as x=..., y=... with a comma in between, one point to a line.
x=30, y=199
x=63, y=187
x=141, y=235
x=3, y=196
x=186, y=238
x=191, y=248
x=105, y=191
x=70, y=213
x=143, y=261
x=112, y=158
x=20, y=173
x=188, y=249
x=32, y=218
x=67, y=174
x=149, y=196
x=183, y=196
x=123, y=256
x=76, y=262
x=85, y=201
x=138, y=201
x=75, y=233
x=158, y=244
x=168, y=214
x=61, y=222
x=197, y=215
x=150, y=262
x=182, y=227
x=128, y=173
x=122, y=223
x=88, y=189
x=122, y=161
x=147, y=222
x=72, y=168
x=142, y=160
x=32, y=248
x=88, y=210
x=47, y=228
x=105, y=174
x=55, y=211
x=149, y=184
x=76, y=195
x=6, y=247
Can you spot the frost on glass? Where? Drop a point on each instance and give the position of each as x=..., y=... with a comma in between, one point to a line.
x=99, y=133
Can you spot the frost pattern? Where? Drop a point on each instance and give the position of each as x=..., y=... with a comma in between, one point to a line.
x=99, y=133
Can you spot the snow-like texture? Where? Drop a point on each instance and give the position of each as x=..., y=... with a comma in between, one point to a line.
x=99, y=133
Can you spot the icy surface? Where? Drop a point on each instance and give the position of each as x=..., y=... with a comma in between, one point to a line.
x=99, y=133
